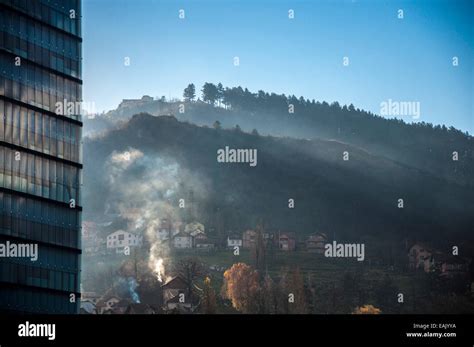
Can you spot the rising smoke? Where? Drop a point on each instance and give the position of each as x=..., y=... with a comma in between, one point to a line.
x=144, y=189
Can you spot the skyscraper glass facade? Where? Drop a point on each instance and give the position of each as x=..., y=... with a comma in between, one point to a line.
x=40, y=154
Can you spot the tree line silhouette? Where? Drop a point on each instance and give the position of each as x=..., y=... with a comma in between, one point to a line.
x=421, y=144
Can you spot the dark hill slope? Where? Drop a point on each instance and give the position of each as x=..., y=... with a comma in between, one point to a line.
x=423, y=146
x=352, y=199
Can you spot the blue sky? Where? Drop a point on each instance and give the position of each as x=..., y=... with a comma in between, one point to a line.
x=407, y=59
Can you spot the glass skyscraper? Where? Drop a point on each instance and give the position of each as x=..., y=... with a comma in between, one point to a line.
x=40, y=154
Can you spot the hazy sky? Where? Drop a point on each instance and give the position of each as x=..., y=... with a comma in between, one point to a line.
x=406, y=59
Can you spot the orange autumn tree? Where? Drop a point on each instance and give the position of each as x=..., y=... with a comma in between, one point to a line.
x=367, y=309
x=241, y=286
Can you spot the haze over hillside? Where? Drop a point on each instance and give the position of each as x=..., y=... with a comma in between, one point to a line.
x=419, y=145
x=247, y=171
x=146, y=165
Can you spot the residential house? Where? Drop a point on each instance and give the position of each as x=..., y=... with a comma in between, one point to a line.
x=118, y=240
x=419, y=257
x=90, y=296
x=176, y=296
x=87, y=307
x=316, y=243
x=182, y=240
x=234, y=241
x=450, y=265
x=88, y=228
x=249, y=239
x=167, y=229
x=199, y=237
x=423, y=257
x=92, y=243
x=268, y=237
x=286, y=241
x=106, y=304
x=164, y=231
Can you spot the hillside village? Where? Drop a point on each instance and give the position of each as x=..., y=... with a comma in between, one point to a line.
x=192, y=240
x=214, y=256
x=193, y=236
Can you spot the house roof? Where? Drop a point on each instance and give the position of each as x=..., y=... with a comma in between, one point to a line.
x=448, y=258
x=103, y=302
x=422, y=245
x=177, y=282
x=88, y=306
x=194, y=227
x=317, y=236
x=181, y=234
x=195, y=231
